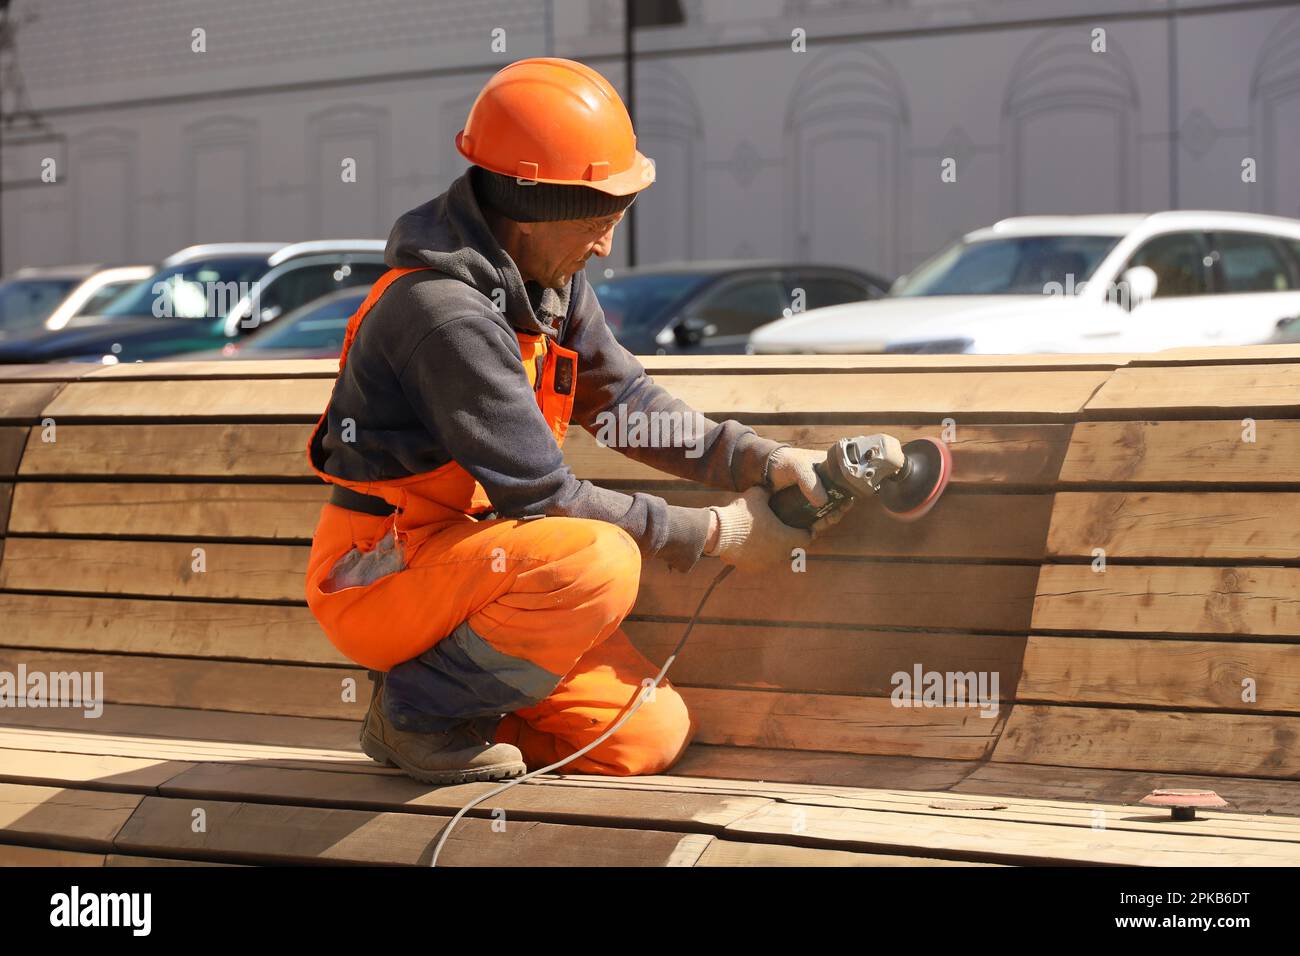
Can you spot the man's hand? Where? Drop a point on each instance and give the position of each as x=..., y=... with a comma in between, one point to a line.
x=750, y=536
x=794, y=466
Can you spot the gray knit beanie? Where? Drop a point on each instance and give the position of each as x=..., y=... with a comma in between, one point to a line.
x=542, y=202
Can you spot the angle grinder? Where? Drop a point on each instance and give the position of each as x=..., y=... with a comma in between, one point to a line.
x=908, y=479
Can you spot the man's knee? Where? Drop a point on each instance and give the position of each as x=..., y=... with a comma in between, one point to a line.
x=601, y=565
x=659, y=733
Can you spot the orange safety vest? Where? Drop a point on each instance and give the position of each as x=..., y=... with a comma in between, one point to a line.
x=450, y=492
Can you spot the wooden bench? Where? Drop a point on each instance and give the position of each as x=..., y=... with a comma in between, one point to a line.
x=159, y=519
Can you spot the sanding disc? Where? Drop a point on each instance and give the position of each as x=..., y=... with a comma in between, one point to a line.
x=912, y=493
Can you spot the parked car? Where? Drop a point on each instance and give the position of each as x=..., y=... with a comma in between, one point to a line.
x=315, y=330
x=96, y=293
x=202, y=298
x=1122, y=283
x=712, y=307
x=30, y=295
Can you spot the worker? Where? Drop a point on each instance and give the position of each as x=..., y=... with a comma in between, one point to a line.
x=459, y=559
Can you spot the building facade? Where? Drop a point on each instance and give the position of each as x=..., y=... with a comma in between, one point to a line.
x=867, y=133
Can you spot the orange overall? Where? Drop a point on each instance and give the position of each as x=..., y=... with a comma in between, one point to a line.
x=474, y=618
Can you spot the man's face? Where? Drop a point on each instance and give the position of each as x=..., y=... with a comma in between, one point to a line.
x=556, y=250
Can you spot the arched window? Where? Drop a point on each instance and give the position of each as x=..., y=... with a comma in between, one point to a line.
x=845, y=131
x=103, y=178
x=1068, y=128
x=348, y=210
x=1275, y=121
x=670, y=130
x=221, y=178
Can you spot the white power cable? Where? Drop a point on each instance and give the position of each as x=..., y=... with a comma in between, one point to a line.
x=641, y=695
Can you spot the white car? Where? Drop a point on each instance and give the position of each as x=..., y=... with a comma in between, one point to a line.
x=1115, y=283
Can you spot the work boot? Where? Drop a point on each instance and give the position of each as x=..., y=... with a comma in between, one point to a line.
x=459, y=755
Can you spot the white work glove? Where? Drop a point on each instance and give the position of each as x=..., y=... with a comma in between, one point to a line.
x=794, y=466
x=752, y=537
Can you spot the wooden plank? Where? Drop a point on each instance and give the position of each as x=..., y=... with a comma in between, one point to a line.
x=1045, y=394
x=1154, y=741
x=252, y=632
x=656, y=364
x=46, y=372
x=877, y=362
x=104, y=771
x=735, y=853
x=195, y=511
x=982, y=454
x=258, y=368
x=992, y=598
x=12, y=439
x=264, y=572
x=211, y=685
x=831, y=769
x=1051, y=812
x=1126, y=786
x=248, y=832
x=63, y=818
x=277, y=399
x=697, y=812
x=820, y=660
x=23, y=402
x=1189, y=392
x=197, y=450
x=1193, y=452
x=958, y=527
x=40, y=856
x=862, y=725
x=123, y=859
x=291, y=512
x=1178, y=674
x=6, y=496
x=1225, y=526
x=176, y=750
x=1173, y=600
x=1018, y=842
x=1042, y=394
x=335, y=738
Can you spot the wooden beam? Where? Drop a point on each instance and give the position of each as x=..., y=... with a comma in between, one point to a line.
x=1237, y=526
x=1142, y=599
x=1207, y=453
x=1151, y=740
x=1221, y=675
x=1218, y=390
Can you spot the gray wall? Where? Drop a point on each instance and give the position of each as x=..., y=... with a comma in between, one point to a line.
x=829, y=154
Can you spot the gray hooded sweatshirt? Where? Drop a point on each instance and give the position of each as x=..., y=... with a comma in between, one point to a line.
x=435, y=374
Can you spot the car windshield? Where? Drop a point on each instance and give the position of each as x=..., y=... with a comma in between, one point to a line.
x=103, y=296
x=639, y=303
x=204, y=289
x=316, y=327
x=26, y=303
x=1023, y=265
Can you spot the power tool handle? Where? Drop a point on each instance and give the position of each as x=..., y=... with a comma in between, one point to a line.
x=794, y=509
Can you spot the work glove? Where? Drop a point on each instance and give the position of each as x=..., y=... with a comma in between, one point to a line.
x=794, y=466
x=752, y=537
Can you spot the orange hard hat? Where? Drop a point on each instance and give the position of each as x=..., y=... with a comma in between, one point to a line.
x=551, y=120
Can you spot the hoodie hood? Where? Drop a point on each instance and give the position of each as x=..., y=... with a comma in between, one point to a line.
x=450, y=234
